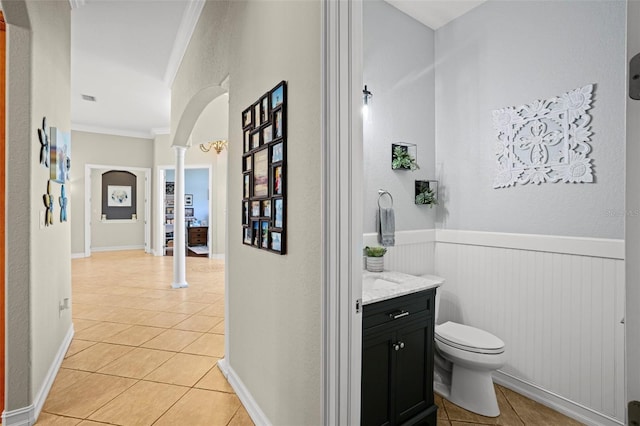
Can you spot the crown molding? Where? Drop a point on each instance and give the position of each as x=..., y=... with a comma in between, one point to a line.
x=185, y=31
x=156, y=131
x=75, y=4
x=111, y=131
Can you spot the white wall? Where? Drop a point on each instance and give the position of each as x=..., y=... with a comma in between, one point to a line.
x=632, y=231
x=113, y=234
x=401, y=76
x=101, y=149
x=272, y=298
x=512, y=53
x=38, y=258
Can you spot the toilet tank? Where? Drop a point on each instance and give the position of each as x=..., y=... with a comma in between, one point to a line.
x=438, y=291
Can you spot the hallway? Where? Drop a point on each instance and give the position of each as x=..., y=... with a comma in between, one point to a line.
x=143, y=353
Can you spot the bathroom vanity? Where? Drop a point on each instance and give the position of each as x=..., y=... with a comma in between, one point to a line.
x=397, y=349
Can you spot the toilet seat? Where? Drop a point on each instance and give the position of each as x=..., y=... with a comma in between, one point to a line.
x=468, y=338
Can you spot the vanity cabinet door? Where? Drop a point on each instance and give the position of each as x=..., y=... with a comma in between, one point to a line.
x=414, y=370
x=376, y=379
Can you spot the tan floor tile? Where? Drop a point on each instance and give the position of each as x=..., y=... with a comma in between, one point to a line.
x=91, y=423
x=135, y=336
x=215, y=310
x=172, y=340
x=161, y=305
x=101, y=331
x=218, y=328
x=46, y=419
x=77, y=346
x=81, y=324
x=215, y=408
x=131, y=316
x=163, y=319
x=201, y=323
x=96, y=357
x=532, y=412
x=507, y=415
x=66, y=378
x=87, y=395
x=141, y=404
x=189, y=308
x=91, y=312
x=183, y=369
x=208, y=344
x=137, y=363
x=214, y=380
x=241, y=418
x=442, y=411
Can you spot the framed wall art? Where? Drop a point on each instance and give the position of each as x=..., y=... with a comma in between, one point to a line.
x=264, y=169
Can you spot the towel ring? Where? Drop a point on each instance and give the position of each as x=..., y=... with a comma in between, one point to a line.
x=381, y=193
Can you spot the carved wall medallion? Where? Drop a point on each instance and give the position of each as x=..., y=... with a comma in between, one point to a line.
x=545, y=141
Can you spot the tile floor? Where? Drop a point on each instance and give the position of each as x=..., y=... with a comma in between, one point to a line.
x=145, y=354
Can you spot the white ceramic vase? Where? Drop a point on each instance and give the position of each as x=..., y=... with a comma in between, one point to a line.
x=375, y=264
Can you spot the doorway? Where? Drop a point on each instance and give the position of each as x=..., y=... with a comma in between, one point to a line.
x=97, y=225
x=200, y=221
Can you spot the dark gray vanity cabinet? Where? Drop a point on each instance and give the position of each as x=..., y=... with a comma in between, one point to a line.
x=397, y=361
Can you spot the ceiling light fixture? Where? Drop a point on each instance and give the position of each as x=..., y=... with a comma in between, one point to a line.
x=218, y=145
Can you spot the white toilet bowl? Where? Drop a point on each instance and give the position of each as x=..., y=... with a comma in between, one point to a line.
x=474, y=354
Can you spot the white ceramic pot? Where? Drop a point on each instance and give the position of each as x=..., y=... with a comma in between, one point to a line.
x=375, y=264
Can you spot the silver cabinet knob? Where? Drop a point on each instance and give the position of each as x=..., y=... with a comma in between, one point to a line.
x=396, y=347
x=401, y=345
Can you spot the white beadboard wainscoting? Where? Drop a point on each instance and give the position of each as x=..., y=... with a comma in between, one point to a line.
x=556, y=302
x=412, y=254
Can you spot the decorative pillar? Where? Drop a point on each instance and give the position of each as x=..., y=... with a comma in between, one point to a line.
x=179, y=228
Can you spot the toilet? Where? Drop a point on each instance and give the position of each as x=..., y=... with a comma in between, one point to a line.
x=464, y=359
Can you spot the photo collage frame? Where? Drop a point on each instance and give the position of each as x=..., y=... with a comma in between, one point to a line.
x=264, y=171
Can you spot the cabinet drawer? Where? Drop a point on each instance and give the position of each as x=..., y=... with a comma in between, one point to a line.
x=399, y=308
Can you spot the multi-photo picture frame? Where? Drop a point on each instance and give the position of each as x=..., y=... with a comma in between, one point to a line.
x=264, y=169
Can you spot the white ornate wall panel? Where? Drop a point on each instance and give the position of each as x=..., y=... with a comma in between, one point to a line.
x=558, y=313
x=545, y=141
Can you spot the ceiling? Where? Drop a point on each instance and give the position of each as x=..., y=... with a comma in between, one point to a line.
x=125, y=53
x=435, y=13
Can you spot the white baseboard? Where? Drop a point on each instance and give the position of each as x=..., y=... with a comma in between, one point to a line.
x=116, y=248
x=250, y=404
x=558, y=403
x=27, y=416
x=78, y=255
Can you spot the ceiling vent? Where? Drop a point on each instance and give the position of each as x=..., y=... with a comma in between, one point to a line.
x=88, y=98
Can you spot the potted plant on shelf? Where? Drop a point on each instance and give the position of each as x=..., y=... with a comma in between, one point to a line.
x=402, y=159
x=424, y=194
x=375, y=259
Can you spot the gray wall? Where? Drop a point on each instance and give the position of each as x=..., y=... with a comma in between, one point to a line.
x=272, y=299
x=38, y=257
x=633, y=219
x=108, y=150
x=399, y=70
x=512, y=53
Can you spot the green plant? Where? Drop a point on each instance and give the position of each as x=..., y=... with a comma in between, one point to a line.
x=402, y=159
x=425, y=195
x=375, y=251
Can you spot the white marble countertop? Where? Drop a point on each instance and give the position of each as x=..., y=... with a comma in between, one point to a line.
x=378, y=286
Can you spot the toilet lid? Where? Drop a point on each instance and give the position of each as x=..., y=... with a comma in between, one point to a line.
x=468, y=338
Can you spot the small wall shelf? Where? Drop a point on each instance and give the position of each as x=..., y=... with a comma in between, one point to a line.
x=404, y=156
x=426, y=192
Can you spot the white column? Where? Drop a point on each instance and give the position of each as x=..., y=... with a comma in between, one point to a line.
x=179, y=228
